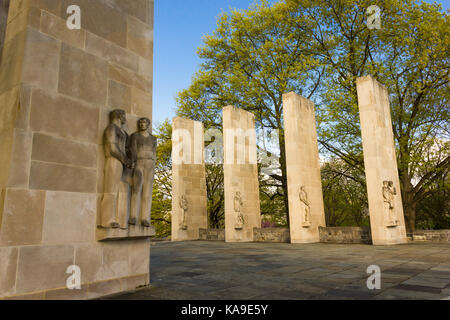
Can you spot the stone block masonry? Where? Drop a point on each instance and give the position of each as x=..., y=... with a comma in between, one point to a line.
x=280, y=235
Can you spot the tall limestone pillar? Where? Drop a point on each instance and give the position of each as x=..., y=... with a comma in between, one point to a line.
x=383, y=187
x=189, y=205
x=306, y=209
x=242, y=208
x=58, y=87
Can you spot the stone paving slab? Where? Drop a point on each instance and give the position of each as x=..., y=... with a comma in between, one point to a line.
x=203, y=270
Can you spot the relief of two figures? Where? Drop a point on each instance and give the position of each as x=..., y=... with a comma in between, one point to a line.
x=129, y=162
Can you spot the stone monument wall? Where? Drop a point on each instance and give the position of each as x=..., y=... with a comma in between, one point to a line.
x=57, y=88
x=432, y=235
x=385, y=203
x=212, y=234
x=189, y=204
x=306, y=209
x=347, y=235
x=242, y=207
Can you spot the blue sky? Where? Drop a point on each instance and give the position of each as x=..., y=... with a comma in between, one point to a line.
x=179, y=28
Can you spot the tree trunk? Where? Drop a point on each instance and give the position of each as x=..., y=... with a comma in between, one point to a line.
x=410, y=217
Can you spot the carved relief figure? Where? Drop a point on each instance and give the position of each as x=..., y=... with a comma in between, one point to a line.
x=303, y=196
x=237, y=209
x=142, y=152
x=389, y=192
x=114, y=141
x=184, y=208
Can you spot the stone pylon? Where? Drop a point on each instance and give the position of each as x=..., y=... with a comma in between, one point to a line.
x=306, y=209
x=383, y=187
x=242, y=208
x=189, y=211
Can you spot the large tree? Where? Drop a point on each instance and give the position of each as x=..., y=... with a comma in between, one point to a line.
x=318, y=49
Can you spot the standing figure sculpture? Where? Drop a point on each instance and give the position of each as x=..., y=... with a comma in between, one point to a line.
x=142, y=152
x=303, y=196
x=389, y=192
x=115, y=141
x=184, y=208
x=237, y=209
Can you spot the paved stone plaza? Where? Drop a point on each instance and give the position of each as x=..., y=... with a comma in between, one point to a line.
x=270, y=271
